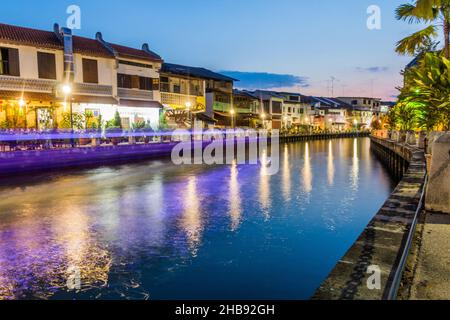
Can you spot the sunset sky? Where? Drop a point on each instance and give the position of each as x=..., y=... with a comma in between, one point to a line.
x=292, y=45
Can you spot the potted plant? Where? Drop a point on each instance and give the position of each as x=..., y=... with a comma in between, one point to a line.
x=136, y=127
x=114, y=127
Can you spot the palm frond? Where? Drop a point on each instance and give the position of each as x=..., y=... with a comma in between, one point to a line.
x=406, y=12
x=411, y=44
x=428, y=9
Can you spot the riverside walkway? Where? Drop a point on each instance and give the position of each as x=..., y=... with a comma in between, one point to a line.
x=427, y=275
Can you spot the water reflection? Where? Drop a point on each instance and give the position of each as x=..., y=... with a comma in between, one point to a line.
x=354, y=173
x=235, y=198
x=286, y=175
x=264, y=185
x=307, y=172
x=191, y=220
x=330, y=167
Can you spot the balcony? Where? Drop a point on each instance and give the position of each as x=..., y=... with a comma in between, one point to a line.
x=221, y=106
x=134, y=94
x=92, y=89
x=32, y=85
x=177, y=100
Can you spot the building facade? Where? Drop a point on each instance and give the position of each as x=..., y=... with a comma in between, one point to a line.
x=56, y=80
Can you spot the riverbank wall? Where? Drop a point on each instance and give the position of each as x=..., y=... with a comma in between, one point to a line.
x=373, y=266
x=29, y=161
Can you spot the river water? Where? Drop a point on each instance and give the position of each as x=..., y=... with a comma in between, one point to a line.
x=153, y=230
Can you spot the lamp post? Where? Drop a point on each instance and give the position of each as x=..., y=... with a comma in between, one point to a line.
x=67, y=90
x=233, y=113
x=188, y=105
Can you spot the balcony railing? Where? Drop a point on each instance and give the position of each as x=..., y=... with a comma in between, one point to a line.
x=92, y=89
x=135, y=94
x=177, y=100
x=21, y=84
x=221, y=106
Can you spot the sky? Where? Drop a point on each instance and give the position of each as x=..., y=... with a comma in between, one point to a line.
x=289, y=45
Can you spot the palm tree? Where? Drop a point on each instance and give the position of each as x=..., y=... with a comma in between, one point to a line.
x=434, y=12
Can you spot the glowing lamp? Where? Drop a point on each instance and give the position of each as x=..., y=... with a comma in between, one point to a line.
x=67, y=89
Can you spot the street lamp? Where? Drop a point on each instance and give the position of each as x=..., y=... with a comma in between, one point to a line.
x=232, y=112
x=355, y=122
x=188, y=105
x=67, y=90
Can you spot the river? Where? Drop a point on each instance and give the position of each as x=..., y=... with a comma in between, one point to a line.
x=153, y=230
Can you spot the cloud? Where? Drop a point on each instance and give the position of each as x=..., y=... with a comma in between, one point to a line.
x=264, y=80
x=373, y=69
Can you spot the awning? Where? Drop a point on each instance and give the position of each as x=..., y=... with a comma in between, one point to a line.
x=27, y=96
x=94, y=99
x=205, y=118
x=140, y=104
x=223, y=114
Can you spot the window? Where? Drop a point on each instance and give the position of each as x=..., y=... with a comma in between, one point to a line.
x=124, y=81
x=176, y=88
x=9, y=62
x=165, y=86
x=145, y=83
x=294, y=98
x=46, y=65
x=90, y=71
x=155, y=84
x=276, y=107
x=354, y=102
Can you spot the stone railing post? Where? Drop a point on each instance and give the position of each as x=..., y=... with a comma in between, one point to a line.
x=438, y=190
x=411, y=138
x=422, y=139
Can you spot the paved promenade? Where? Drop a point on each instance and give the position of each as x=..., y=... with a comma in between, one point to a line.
x=428, y=270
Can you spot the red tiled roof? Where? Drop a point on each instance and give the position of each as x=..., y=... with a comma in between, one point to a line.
x=90, y=47
x=49, y=40
x=21, y=35
x=127, y=52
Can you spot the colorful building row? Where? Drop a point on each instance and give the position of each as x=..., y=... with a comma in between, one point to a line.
x=54, y=79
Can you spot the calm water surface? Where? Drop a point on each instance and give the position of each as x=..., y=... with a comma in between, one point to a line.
x=157, y=231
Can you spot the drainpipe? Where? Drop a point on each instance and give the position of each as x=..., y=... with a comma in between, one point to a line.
x=108, y=47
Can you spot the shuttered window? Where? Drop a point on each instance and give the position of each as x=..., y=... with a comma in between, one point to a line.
x=46, y=65
x=124, y=81
x=90, y=71
x=9, y=62
x=135, y=83
x=145, y=83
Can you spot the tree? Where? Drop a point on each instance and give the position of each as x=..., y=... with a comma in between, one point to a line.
x=406, y=114
x=117, y=120
x=428, y=90
x=163, y=125
x=433, y=12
